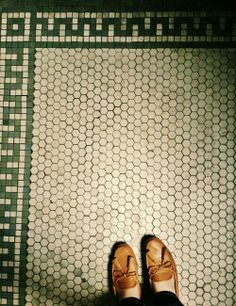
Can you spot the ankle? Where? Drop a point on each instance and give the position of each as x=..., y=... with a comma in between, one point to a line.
x=165, y=285
x=130, y=293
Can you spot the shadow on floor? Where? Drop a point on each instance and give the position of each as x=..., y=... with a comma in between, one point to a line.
x=56, y=291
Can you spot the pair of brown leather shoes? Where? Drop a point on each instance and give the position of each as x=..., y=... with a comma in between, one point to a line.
x=160, y=267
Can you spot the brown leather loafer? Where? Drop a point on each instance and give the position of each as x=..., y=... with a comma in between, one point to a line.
x=125, y=272
x=160, y=263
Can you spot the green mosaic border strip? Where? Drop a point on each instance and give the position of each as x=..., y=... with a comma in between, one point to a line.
x=16, y=69
x=140, y=27
x=122, y=29
x=13, y=169
x=20, y=34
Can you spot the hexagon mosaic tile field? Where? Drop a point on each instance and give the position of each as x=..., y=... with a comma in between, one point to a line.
x=129, y=142
x=115, y=125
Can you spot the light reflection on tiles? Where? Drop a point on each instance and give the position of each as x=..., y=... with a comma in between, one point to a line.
x=129, y=142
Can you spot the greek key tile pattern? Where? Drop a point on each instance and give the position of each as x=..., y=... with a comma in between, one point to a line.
x=134, y=27
x=125, y=143
x=13, y=129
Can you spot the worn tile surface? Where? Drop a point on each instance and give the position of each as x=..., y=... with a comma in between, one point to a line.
x=129, y=142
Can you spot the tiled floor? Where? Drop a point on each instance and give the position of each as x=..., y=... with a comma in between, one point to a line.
x=108, y=137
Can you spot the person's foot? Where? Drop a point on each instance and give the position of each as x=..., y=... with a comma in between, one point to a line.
x=161, y=267
x=125, y=279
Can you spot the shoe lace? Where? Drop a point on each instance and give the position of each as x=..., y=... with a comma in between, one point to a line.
x=119, y=274
x=154, y=269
